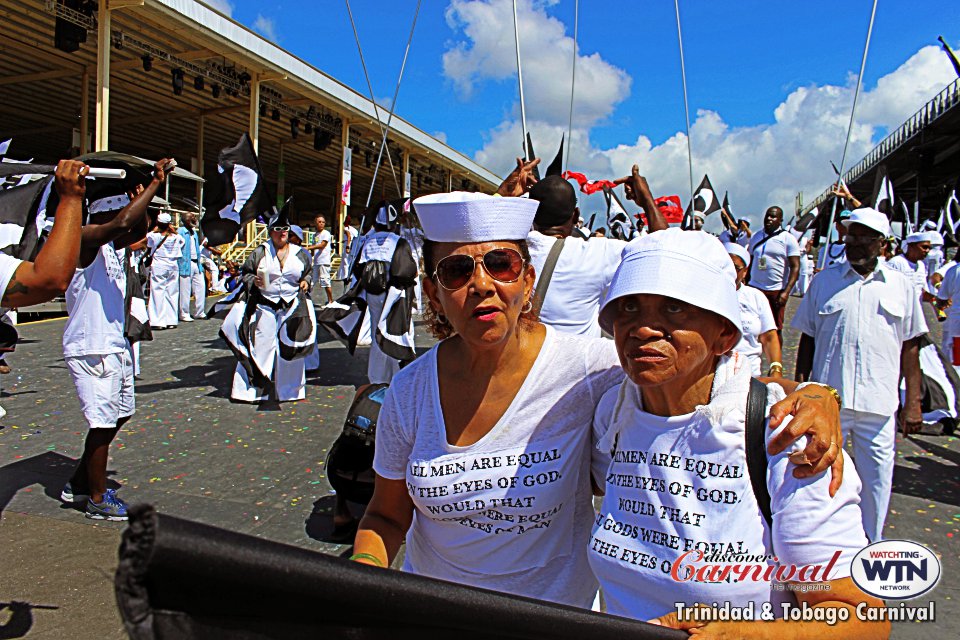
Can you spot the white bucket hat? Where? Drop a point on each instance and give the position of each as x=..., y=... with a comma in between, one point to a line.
x=463, y=216
x=691, y=266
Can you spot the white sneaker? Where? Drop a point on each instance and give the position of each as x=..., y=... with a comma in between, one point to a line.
x=186, y=319
x=201, y=316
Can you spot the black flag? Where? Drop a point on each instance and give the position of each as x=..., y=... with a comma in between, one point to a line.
x=22, y=216
x=531, y=155
x=806, y=220
x=238, y=197
x=556, y=167
x=884, y=200
x=704, y=201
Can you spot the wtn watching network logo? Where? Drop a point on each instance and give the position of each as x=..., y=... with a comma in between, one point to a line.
x=895, y=569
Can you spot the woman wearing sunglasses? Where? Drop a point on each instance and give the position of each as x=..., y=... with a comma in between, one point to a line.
x=483, y=443
x=277, y=276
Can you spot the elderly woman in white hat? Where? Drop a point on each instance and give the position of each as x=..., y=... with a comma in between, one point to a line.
x=483, y=443
x=165, y=247
x=680, y=510
x=758, y=328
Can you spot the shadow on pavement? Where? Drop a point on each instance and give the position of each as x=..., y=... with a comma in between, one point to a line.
x=49, y=469
x=932, y=480
x=217, y=373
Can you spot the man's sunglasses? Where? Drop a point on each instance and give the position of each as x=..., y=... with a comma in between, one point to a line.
x=503, y=265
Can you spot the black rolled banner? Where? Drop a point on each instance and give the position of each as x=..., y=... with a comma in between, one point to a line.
x=184, y=580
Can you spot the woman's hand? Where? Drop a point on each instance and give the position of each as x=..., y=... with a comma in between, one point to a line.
x=816, y=414
x=259, y=282
x=303, y=285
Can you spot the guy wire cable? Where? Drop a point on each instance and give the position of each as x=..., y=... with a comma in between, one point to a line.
x=373, y=100
x=393, y=108
x=523, y=108
x=686, y=105
x=846, y=143
x=573, y=83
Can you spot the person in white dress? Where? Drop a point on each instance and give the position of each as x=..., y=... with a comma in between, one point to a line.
x=278, y=277
x=165, y=247
x=758, y=328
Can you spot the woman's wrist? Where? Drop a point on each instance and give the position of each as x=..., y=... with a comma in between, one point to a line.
x=831, y=390
x=372, y=559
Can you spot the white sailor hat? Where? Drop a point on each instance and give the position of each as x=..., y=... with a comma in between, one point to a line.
x=738, y=250
x=164, y=218
x=110, y=203
x=462, y=216
x=692, y=266
x=934, y=237
x=870, y=218
x=914, y=238
x=700, y=214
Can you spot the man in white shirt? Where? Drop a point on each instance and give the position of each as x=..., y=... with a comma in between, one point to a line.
x=96, y=350
x=861, y=323
x=583, y=271
x=911, y=263
x=322, y=257
x=774, y=264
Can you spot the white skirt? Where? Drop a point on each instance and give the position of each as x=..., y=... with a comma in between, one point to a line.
x=289, y=376
x=164, y=293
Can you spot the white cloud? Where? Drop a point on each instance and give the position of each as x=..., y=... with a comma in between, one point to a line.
x=759, y=165
x=489, y=53
x=266, y=27
x=223, y=6
x=440, y=135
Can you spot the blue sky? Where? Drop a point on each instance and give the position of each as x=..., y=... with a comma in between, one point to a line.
x=759, y=73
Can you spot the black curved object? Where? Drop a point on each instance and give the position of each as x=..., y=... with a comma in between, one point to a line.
x=181, y=580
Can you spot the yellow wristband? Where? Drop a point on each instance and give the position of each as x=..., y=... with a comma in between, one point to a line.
x=367, y=556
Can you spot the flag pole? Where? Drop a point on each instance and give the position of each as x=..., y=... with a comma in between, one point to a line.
x=393, y=108
x=686, y=105
x=573, y=81
x=853, y=113
x=523, y=108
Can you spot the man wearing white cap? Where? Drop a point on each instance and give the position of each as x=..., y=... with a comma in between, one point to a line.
x=166, y=249
x=934, y=259
x=911, y=263
x=698, y=220
x=861, y=324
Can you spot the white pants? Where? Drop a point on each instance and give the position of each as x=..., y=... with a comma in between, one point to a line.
x=197, y=285
x=135, y=353
x=873, y=438
x=288, y=375
x=380, y=366
x=214, y=270
x=164, y=293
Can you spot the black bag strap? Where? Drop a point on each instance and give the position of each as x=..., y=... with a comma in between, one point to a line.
x=755, y=437
x=543, y=281
x=769, y=237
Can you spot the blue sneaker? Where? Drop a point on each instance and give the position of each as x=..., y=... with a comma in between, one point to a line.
x=72, y=494
x=111, y=508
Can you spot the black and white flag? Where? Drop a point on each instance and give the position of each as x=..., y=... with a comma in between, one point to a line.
x=704, y=202
x=884, y=200
x=22, y=217
x=239, y=196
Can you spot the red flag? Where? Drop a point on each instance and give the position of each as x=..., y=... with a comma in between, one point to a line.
x=671, y=208
x=588, y=187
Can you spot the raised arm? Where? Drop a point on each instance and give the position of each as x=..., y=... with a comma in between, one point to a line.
x=520, y=180
x=49, y=275
x=636, y=188
x=129, y=226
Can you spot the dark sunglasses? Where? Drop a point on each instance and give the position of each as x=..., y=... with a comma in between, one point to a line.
x=503, y=265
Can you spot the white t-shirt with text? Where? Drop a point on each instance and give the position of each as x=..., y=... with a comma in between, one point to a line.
x=678, y=486
x=511, y=512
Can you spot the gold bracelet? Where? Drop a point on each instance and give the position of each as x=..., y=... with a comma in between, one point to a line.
x=367, y=556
